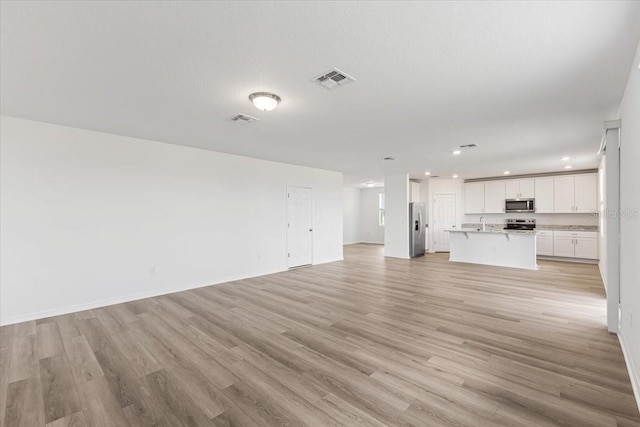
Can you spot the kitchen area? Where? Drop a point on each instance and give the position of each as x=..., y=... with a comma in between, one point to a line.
x=512, y=222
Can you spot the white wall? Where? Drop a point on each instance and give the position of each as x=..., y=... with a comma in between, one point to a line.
x=602, y=238
x=445, y=186
x=351, y=215
x=371, y=230
x=86, y=217
x=630, y=221
x=396, y=229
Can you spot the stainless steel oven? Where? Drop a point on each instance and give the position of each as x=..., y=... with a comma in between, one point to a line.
x=520, y=205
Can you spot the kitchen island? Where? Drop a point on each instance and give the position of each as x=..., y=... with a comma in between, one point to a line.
x=505, y=248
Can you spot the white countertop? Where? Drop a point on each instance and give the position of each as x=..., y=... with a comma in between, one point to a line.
x=495, y=231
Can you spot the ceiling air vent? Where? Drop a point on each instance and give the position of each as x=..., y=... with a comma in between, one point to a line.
x=243, y=118
x=333, y=79
x=469, y=146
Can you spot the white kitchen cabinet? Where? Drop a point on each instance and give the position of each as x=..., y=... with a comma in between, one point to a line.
x=519, y=189
x=512, y=189
x=586, y=193
x=474, y=197
x=576, y=244
x=544, y=243
x=586, y=248
x=564, y=246
x=575, y=193
x=544, y=195
x=494, y=196
x=563, y=194
x=527, y=188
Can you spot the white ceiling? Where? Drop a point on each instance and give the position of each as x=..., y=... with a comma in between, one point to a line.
x=529, y=82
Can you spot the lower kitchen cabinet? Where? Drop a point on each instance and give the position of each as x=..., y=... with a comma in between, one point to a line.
x=544, y=243
x=575, y=244
x=587, y=248
x=564, y=246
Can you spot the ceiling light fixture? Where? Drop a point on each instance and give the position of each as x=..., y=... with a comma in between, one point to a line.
x=568, y=167
x=564, y=159
x=427, y=173
x=369, y=184
x=455, y=175
x=265, y=101
x=456, y=152
x=506, y=172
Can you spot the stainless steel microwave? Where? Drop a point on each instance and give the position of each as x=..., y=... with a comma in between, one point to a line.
x=520, y=205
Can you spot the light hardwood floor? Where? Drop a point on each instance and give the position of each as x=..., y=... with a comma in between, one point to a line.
x=367, y=341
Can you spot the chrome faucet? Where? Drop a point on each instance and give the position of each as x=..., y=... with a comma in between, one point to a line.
x=483, y=224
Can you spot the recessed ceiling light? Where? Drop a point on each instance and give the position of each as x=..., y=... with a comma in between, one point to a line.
x=506, y=172
x=568, y=167
x=455, y=175
x=456, y=152
x=369, y=184
x=427, y=173
x=565, y=158
x=265, y=101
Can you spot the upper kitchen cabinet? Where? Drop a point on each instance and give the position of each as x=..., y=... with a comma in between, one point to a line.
x=474, y=197
x=575, y=194
x=519, y=189
x=494, y=195
x=586, y=193
x=544, y=195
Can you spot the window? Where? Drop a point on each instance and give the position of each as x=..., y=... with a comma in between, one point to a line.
x=381, y=209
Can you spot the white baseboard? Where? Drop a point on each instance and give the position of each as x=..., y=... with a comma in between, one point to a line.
x=564, y=259
x=141, y=295
x=633, y=372
x=126, y=298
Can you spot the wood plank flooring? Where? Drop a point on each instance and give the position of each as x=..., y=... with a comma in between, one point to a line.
x=366, y=341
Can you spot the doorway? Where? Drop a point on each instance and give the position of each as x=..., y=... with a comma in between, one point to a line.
x=299, y=226
x=444, y=218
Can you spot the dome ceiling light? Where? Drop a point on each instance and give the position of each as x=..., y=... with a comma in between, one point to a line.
x=265, y=101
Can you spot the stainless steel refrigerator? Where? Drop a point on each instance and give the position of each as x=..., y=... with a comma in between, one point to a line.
x=417, y=230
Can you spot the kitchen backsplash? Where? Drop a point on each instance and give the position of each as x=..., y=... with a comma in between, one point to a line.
x=541, y=219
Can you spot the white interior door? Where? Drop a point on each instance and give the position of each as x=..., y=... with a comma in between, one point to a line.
x=299, y=227
x=444, y=218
